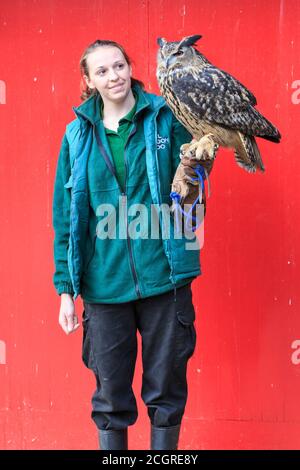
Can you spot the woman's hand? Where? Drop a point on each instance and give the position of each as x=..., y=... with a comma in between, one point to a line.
x=67, y=317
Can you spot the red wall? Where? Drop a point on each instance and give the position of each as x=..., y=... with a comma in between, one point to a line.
x=245, y=375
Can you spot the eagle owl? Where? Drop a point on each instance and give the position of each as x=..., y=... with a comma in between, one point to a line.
x=207, y=100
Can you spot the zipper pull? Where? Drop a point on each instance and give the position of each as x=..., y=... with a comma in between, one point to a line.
x=123, y=217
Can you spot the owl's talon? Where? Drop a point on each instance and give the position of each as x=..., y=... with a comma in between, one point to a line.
x=203, y=149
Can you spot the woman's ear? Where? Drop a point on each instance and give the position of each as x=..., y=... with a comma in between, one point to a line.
x=88, y=82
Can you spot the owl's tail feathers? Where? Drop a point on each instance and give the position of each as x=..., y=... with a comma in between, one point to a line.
x=276, y=140
x=247, y=155
x=264, y=128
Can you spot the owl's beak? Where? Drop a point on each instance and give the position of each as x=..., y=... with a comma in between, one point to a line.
x=168, y=62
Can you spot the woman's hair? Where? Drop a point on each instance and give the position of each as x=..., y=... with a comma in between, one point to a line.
x=86, y=92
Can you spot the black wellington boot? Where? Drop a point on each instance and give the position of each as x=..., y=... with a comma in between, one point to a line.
x=164, y=438
x=113, y=439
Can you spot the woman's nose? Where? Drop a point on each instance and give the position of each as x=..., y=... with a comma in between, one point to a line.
x=112, y=75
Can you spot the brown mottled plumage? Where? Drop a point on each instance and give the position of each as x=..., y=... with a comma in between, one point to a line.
x=207, y=100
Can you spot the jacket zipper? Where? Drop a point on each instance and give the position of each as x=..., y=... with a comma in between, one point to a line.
x=123, y=194
x=136, y=282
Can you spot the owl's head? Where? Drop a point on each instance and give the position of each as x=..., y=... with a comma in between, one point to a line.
x=179, y=53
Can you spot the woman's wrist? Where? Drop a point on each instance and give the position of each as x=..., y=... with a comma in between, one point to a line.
x=66, y=295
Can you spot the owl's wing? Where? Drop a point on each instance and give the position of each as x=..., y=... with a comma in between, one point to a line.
x=215, y=96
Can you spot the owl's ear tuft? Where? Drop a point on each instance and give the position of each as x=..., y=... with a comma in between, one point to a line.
x=190, y=40
x=161, y=41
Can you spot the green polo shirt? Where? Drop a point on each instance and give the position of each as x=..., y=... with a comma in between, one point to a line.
x=117, y=141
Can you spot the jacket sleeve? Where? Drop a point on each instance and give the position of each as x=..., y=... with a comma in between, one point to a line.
x=181, y=136
x=61, y=221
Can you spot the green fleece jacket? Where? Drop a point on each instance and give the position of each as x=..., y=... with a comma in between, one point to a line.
x=119, y=269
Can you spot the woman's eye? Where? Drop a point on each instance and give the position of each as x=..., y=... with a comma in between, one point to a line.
x=120, y=66
x=101, y=72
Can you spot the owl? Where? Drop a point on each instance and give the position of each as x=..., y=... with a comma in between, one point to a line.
x=207, y=100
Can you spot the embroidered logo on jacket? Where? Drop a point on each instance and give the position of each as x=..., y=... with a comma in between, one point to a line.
x=161, y=142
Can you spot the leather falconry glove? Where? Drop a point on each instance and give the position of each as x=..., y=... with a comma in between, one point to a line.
x=186, y=183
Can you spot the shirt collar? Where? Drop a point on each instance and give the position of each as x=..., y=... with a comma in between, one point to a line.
x=130, y=115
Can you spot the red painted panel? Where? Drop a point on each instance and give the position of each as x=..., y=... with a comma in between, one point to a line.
x=245, y=375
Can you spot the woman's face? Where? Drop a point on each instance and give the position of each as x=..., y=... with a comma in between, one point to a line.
x=109, y=73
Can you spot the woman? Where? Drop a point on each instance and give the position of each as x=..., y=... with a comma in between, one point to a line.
x=121, y=151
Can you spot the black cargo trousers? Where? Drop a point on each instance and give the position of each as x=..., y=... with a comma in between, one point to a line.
x=166, y=325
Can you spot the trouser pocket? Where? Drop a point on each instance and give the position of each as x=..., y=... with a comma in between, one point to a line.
x=87, y=350
x=185, y=331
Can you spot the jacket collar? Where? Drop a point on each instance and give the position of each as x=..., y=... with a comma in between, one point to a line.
x=90, y=108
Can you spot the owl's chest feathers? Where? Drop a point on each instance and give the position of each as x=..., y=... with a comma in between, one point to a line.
x=196, y=126
x=180, y=111
x=176, y=106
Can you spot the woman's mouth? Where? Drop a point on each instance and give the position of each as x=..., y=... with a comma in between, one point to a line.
x=117, y=87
